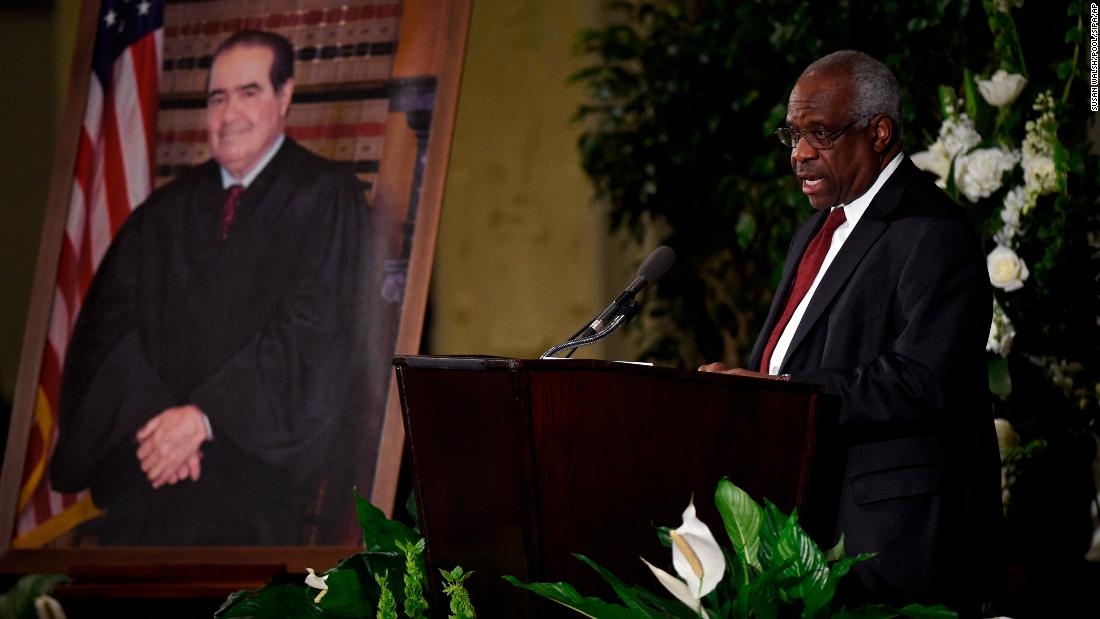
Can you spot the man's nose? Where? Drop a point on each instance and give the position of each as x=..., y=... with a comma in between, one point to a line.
x=803, y=151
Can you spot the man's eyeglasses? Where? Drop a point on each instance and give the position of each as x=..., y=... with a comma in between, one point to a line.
x=818, y=138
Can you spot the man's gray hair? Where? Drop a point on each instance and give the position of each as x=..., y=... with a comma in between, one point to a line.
x=874, y=88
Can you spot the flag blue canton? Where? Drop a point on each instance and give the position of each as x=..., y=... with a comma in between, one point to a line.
x=121, y=24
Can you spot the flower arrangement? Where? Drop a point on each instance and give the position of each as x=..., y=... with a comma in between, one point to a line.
x=774, y=569
x=1008, y=153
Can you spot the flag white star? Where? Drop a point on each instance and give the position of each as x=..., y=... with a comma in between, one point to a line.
x=109, y=18
x=143, y=8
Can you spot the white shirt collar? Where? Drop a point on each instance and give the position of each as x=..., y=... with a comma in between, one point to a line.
x=228, y=180
x=855, y=210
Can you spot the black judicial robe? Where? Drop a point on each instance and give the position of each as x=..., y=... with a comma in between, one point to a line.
x=261, y=330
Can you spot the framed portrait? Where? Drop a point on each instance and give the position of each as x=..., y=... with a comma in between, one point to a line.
x=280, y=331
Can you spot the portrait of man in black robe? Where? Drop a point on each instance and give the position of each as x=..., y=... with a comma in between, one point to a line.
x=215, y=369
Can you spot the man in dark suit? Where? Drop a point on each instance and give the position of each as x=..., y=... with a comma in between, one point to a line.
x=211, y=380
x=885, y=301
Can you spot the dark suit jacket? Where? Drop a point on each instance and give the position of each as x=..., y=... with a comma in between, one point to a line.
x=897, y=329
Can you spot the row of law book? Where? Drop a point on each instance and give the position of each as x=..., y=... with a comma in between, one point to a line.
x=350, y=131
x=333, y=41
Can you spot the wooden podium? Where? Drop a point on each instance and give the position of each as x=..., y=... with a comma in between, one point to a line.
x=519, y=463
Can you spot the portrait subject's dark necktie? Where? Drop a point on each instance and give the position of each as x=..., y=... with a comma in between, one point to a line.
x=807, y=272
x=230, y=208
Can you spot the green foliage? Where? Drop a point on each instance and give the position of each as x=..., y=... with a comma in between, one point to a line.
x=415, y=604
x=358, y=586
x=18, y=602
x=461, y=607
x=387, y=606
x=775, y=570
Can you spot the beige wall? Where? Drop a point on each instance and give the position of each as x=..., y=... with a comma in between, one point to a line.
x=520, y=262
x=28, y=114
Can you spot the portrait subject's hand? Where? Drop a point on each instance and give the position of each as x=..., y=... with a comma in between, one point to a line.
x=191, y=469
x=168, y=445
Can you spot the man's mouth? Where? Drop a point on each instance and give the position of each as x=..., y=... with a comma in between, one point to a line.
x=810, y=183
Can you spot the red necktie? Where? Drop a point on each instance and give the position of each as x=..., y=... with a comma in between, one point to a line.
x=230, y=208
x=807, y=272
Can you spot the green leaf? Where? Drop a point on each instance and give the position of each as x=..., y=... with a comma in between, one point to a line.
x=807, y=565
x=345, y=595
x=835, y=553
x=566, y=595
x=971, y=95
x=770, y=527
x=746, y=229
x=18, y=602
x=1000, y=381
x=380, y=533
x=637, y=598
x=742, y=517
x=916, y=611
x=270, y=602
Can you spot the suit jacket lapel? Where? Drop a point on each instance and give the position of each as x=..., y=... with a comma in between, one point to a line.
x=870, y=227
x=801, y=239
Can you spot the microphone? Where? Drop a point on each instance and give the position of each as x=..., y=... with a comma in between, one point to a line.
x=653, y=268
x=623, y=308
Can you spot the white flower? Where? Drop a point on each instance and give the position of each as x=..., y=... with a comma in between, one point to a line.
x=1001, y=332
x=1016, y=202
x=1040, y=174
x=1007, y=271
x=957, y=135
x=697, y=559
x=317, y=582
x=1002, y=89
x=978, y=173
x=933, y=160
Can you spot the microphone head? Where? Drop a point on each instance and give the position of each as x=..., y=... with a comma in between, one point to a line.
x=657, y=263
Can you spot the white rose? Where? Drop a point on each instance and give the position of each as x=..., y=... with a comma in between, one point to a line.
x=1002, y=89
x=978, y=173
x=1007, y=271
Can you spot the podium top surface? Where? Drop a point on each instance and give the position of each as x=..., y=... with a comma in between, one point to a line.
x=505, y=364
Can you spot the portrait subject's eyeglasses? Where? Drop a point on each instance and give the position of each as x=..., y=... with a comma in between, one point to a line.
x=818, y=138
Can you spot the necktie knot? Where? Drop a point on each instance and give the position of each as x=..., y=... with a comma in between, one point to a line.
x=230, y=208
x=833, y=221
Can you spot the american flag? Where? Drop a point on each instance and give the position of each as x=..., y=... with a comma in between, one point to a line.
x=114, y=173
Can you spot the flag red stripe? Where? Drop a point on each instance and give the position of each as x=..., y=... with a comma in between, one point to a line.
x=144, y=55
x=114, y=169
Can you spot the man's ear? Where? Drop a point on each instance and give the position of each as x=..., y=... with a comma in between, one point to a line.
x=286, y=94
x=885, y=132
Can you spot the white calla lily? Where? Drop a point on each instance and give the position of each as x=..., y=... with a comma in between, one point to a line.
x=697, y=559
x=678, y=588
x=317, y=582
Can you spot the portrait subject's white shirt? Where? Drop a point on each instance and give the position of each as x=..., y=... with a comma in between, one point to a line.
x=228, y=179
x=852, y=213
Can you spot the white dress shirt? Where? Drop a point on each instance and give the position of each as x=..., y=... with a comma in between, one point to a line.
x=852, y=214
x=228, y=180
